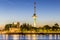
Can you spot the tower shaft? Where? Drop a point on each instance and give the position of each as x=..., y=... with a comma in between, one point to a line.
x=34, y=22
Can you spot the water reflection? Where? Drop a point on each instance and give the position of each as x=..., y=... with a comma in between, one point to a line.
x=22, y=37
x=10, y=37
x=29, y=37
x=1, y=37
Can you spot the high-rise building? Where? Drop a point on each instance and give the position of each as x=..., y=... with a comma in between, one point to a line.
x=18, y=24
x=34, y=15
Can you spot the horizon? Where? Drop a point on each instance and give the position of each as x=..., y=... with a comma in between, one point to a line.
x=48, y=11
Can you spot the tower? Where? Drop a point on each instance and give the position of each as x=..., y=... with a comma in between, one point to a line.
x=34, y=15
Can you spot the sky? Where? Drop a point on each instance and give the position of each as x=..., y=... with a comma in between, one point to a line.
x=47, y=11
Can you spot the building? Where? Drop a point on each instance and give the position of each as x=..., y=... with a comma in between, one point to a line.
x=34, y=15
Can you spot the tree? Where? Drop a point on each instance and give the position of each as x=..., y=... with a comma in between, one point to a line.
x=25, y=27
x=7, y=26
x=55, y=27
x=47, y=27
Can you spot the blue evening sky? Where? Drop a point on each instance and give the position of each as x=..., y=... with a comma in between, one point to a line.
x=48, y=11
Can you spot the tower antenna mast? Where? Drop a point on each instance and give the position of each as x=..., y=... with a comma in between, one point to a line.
x=34, y=6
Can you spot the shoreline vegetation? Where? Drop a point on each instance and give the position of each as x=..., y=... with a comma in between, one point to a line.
x=27, y=28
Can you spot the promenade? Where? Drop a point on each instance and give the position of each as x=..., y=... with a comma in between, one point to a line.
x=6, y=32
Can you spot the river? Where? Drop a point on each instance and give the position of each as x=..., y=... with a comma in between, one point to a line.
x=29, y=37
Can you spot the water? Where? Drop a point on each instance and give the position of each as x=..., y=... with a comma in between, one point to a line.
x=30, y=37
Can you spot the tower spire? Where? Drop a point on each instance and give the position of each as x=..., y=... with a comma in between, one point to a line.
x=34, y=6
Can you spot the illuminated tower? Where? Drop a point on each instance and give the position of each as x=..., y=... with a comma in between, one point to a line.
x=34, y=15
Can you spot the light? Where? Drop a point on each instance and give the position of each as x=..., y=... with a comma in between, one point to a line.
x=34, y=17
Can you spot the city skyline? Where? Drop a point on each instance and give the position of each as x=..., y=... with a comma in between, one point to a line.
x=48, y=11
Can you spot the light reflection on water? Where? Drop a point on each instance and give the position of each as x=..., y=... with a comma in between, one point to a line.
x=29, y=37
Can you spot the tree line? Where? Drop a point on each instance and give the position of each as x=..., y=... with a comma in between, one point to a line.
x=28, y=27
